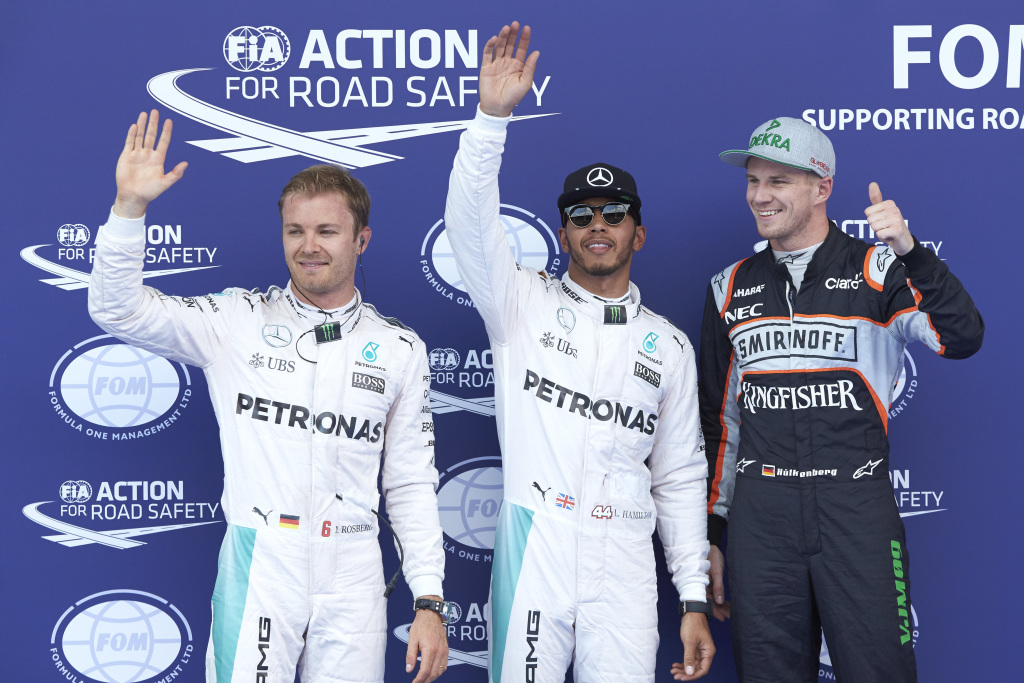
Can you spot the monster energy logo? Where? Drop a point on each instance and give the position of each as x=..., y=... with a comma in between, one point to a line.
x=614, y=315
x=327, y=332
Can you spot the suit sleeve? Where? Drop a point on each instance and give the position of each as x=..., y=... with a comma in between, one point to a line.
x=929, y=304
x=719, y=415
x=678, y=472
x=184, y=329
x=409, y=479
x=473, y=225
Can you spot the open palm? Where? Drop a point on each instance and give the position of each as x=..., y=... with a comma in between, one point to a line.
x=140, y=168
x=506, y=73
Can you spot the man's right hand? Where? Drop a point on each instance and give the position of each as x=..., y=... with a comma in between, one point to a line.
x=506, y=74
x=140, y=168
x=716, y=587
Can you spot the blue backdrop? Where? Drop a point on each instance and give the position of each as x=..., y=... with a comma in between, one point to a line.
x=112, y=472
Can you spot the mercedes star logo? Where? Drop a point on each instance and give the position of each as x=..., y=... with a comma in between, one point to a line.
x=277, y=336
x=599, y=177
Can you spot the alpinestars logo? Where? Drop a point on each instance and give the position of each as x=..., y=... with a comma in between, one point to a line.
x=868, y=469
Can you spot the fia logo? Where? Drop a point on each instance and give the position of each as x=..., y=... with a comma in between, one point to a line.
x=248, y=48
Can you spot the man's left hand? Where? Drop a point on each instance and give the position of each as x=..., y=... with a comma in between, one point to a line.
x=887, y=222
x=428, y=638
x=698, y=649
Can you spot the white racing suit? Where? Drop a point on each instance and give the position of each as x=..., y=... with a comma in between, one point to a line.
x=586, y=393
x=300, y=581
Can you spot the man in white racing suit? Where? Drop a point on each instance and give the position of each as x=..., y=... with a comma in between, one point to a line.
x=589, y=386
x=311, y=388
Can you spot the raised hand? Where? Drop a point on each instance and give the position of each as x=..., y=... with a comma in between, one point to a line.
x=140, y=168
x=887, y=222
x=506, y=73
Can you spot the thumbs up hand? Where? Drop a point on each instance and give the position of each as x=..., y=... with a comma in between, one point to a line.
x=887, y=222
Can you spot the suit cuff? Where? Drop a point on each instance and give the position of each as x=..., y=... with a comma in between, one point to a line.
x=426, y=585
x=919, y=260
x=485, y=123
x=716, y=526
x=124, y=231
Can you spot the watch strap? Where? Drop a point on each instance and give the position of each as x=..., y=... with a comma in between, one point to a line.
x=687, y=606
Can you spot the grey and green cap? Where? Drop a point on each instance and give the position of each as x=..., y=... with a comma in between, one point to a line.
x=787, y=141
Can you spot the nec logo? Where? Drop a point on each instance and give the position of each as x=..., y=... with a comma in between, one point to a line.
x=903, y=56
x=743, y=313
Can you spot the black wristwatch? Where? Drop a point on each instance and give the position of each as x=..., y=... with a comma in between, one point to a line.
x=443, y=608
x=687, y=606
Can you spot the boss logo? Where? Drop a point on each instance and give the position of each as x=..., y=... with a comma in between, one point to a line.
x=646, y=374
x=368, y=382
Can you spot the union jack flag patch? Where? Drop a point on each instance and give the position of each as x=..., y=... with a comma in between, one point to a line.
x=565, y=501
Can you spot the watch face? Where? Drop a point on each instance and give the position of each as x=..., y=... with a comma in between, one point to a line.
x=447, y=611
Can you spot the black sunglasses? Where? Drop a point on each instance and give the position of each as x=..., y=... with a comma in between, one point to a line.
x=582, y=215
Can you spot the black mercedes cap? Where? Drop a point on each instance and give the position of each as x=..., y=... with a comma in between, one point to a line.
x=599, y=180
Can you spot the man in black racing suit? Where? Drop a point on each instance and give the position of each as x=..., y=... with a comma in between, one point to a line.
x=801, y=349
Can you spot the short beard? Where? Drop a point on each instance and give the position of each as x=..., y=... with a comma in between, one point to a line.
x=601, y=270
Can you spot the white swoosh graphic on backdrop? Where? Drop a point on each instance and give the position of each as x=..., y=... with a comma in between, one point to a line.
x=259, y=141
x=77, y=279
x=73, y=536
